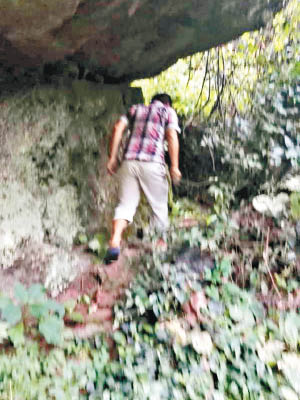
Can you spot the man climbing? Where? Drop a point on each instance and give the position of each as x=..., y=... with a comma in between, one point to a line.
x=143, y=166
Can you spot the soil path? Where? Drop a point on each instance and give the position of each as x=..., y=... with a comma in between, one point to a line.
x=95, y=292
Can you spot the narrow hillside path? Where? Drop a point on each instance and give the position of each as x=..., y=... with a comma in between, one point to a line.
x=95, y=291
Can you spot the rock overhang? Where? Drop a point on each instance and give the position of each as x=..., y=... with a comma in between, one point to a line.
x=121, y=40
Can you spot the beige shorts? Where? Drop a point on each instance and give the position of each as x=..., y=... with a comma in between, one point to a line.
x=151, y=178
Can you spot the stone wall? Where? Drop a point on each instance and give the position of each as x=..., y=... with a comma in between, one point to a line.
x=53, y=182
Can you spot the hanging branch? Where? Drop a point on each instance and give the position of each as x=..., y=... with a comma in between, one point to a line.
x=204, y=78
x=190, y=69
x=223, y=86
x=219, y=91
x=209, y=91
x=201, y=91
x=229, y=78
x=223, y=75
x=266, y=260
x=235, y=112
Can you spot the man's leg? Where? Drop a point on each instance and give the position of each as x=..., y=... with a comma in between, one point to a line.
x=118, y=227
x=154, y=183
x=129, y=196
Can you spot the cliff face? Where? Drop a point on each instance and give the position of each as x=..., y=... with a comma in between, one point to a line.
x=53, y=137
x=120, y=39
x=53, y=180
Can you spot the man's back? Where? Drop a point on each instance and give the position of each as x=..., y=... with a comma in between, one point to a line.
x=148, y=124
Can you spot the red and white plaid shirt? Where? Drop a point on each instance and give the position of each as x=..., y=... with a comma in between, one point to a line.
x=148, y=125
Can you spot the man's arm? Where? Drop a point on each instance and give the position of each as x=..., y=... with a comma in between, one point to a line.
x=115, y=140
x=173, y=148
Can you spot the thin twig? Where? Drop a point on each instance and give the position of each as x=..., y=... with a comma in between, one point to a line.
x=204, y=79
x=211, y=155
x=266, y=260
x=190, y=69
x=217, y=104
x=209, y=92
x=223, y=79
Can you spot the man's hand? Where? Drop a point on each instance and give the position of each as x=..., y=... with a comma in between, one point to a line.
x=175, y=175
x=115, y=140
x=173, y=147
x=111, y=166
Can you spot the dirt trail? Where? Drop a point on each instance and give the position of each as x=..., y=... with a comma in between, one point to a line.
x=101, y=286
x=91, y=296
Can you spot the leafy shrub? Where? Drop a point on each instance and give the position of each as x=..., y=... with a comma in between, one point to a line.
x=235, y=349
x=185, y=330
x=30, y=308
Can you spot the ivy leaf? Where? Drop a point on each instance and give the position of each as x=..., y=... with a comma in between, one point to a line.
x=269, y=352
x=51, y=328
x=82, y=238
x=119, y=338
x=56, y=307
x=12, y=313
x=42, y=309
x=76, y=317
x=94, y=245
x=286, y=393
x=148, y=328
x=290, y=366
x=226, y=267
x=3, y=331
x=16, y=334
x=4, y=302
x=21, y=293
x=39, y=310
x=36, y=293
x=290, y=329
x=70, y=305
x=201, y=341
x=295, y=205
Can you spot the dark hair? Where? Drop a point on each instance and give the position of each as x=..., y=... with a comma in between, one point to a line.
x=163, y=97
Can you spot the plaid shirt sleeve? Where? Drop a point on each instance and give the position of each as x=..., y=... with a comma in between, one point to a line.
x=129, y=115
x=172, y=121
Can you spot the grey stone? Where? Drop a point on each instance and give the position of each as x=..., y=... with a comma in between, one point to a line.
x=195, y=260
x=119, y=40
x=53, y=180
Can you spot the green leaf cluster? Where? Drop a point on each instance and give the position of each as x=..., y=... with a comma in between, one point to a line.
x=17, y=313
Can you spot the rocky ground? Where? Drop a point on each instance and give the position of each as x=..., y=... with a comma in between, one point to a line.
x=93, y=292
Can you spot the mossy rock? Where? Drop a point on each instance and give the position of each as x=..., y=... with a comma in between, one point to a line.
x=53, y=152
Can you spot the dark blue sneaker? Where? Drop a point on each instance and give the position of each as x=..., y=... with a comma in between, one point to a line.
x=112, y=255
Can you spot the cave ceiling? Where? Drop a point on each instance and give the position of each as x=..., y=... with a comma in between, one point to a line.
x=121, y=39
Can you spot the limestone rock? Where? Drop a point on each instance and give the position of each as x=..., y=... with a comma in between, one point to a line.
x=53, y=180
x=20, y=221
x=122, y=39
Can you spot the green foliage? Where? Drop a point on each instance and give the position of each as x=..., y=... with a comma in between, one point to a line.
x=51, y=328
x=225, y=345
x=68, y=372
x=98, y=244
x=295, y=205
x=245, y=348
x=239, y=106
x=194, y=328
x=28, y=303
x=224, y=79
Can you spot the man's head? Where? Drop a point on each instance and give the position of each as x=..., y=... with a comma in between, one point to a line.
x=164, y=98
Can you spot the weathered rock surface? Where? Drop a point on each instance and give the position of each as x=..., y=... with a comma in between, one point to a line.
x=53, y=139
x=53, y=184
x=121, y=39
